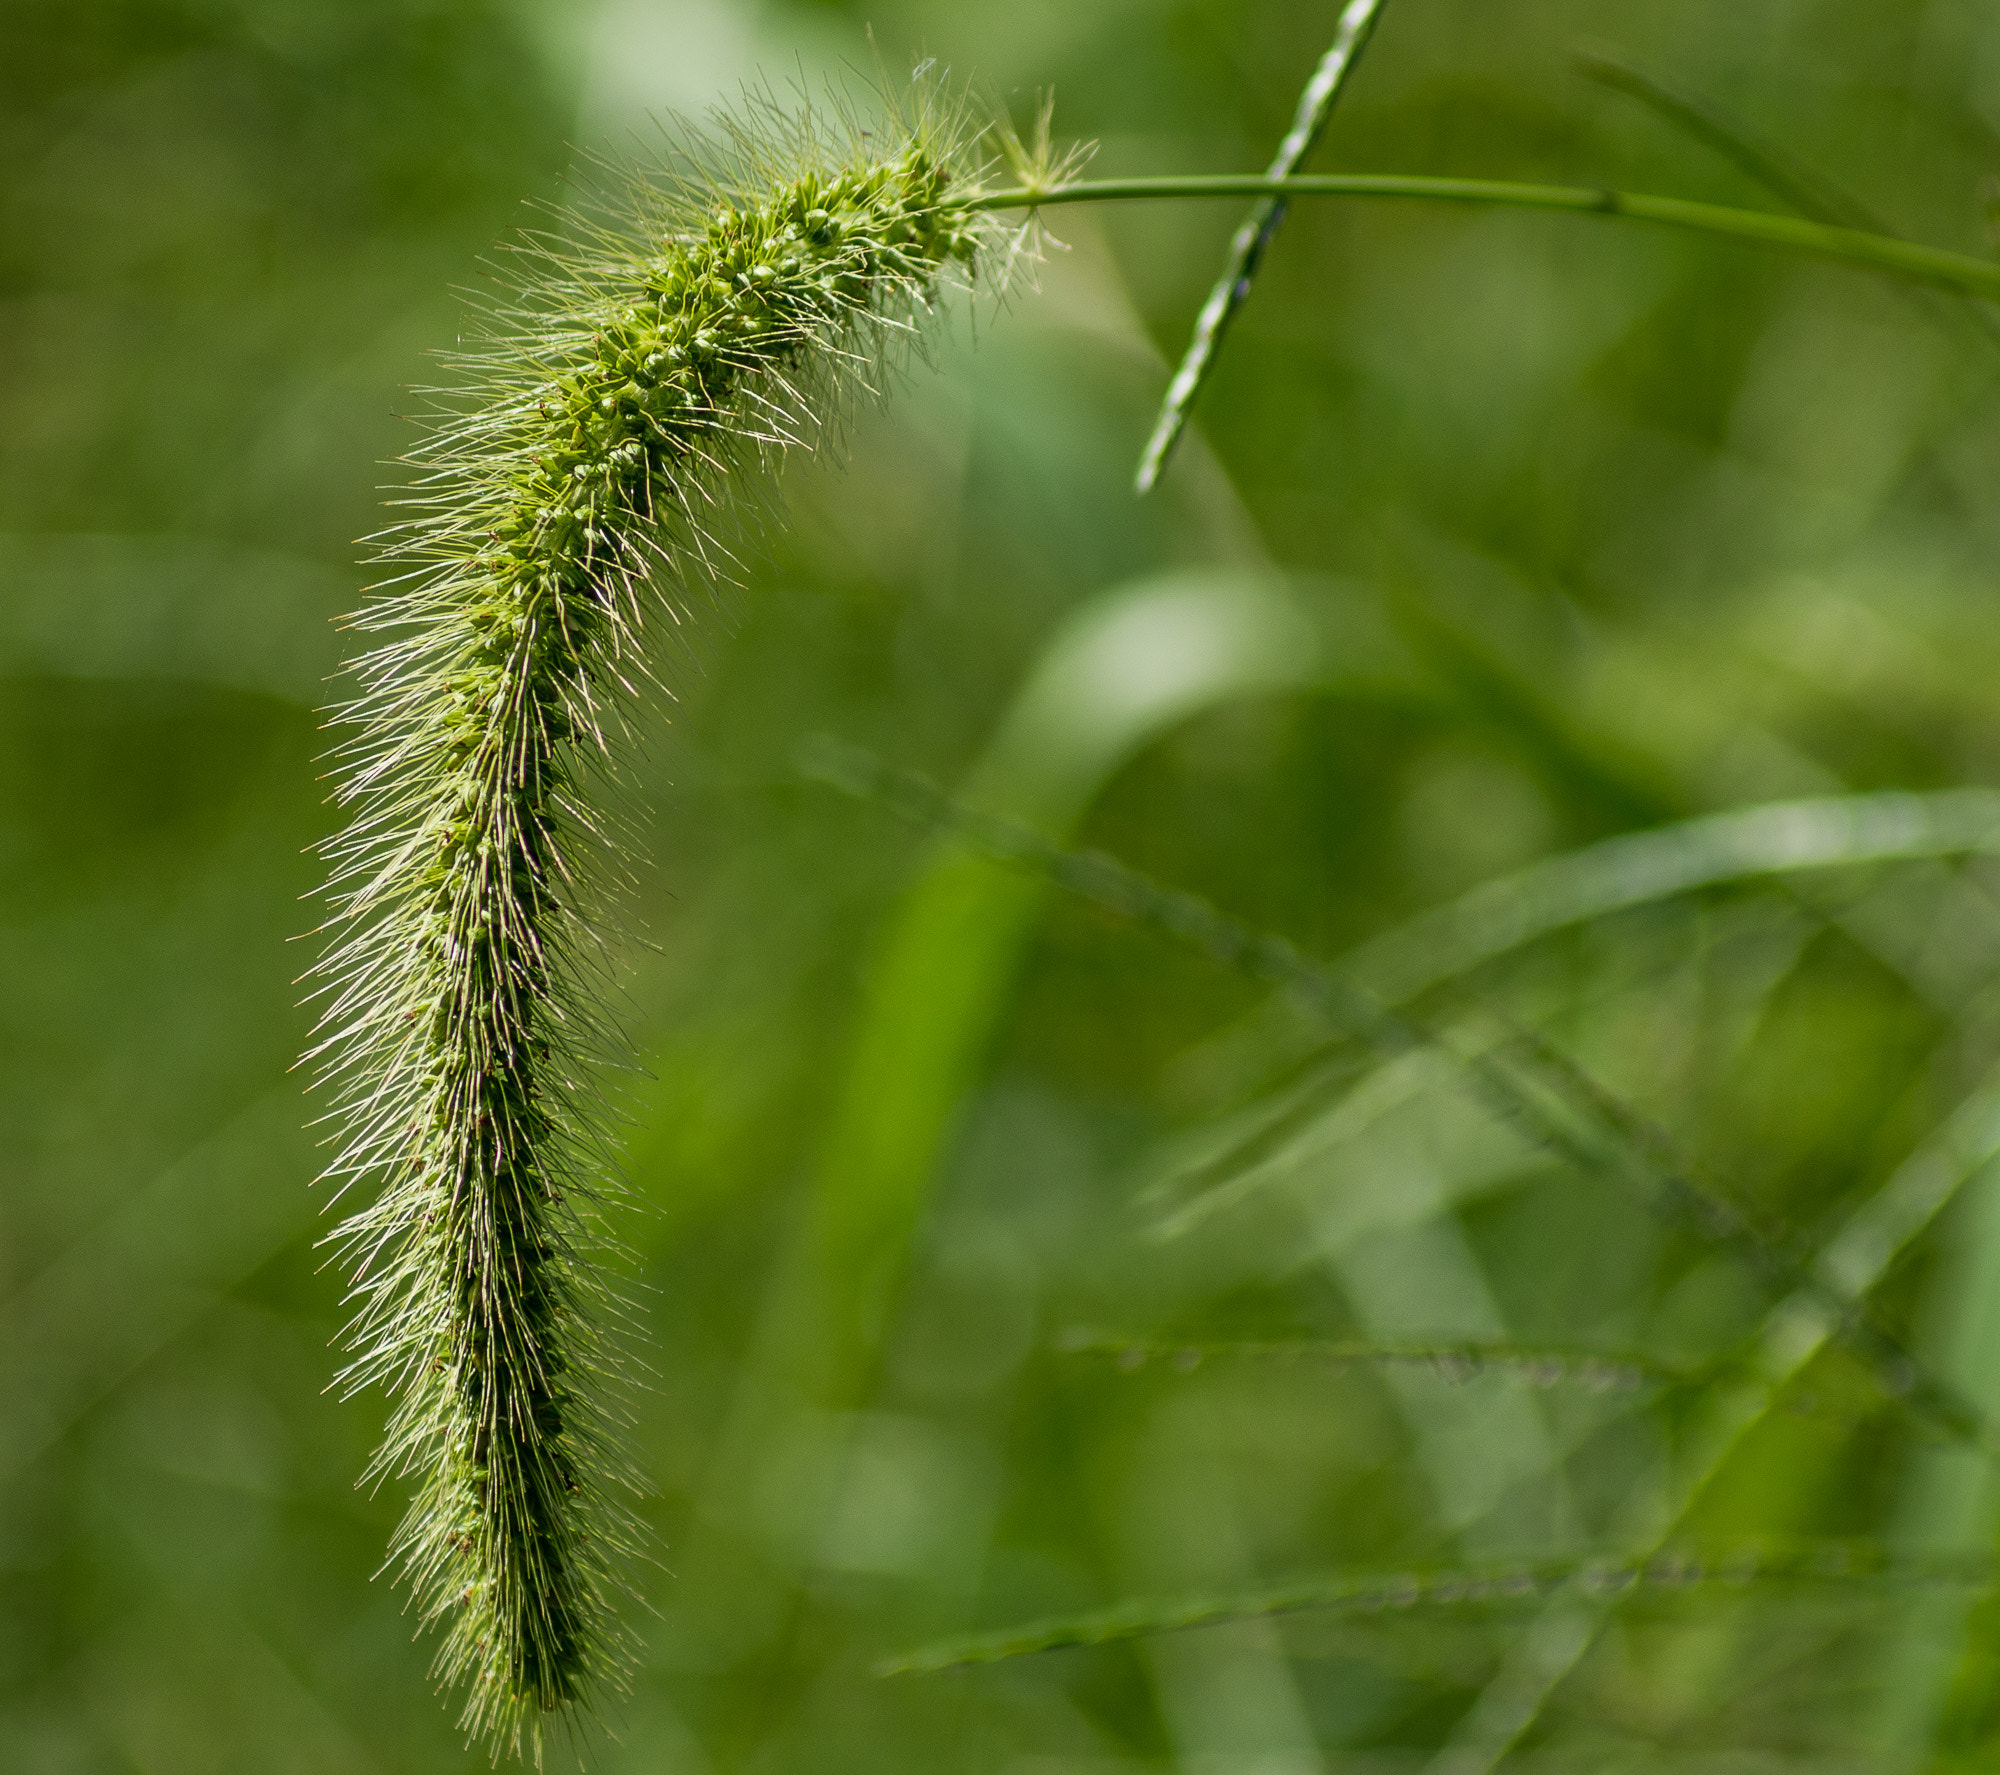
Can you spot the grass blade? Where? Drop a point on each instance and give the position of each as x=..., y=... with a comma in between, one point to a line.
x=1788, y=179
x=1793, y=1333
x=1562, y=892
x=1540, y=1365
x=1829, y=832
x=1814, y=1564
x=1260, y=227
x=1535, y=1088
x=1124, y=667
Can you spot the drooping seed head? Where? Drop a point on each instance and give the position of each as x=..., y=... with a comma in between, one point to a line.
x=579, y=482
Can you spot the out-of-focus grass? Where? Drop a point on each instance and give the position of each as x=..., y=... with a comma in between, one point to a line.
x=1594, y=531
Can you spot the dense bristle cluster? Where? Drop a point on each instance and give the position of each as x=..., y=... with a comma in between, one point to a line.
x=564, y=500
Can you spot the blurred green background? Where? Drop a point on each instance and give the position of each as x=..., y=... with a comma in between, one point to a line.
x=1502, y=535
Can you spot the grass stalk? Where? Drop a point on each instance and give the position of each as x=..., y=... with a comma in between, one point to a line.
x=1937, y=267
x=1254, y=237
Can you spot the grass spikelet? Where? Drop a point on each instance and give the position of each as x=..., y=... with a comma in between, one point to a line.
x=575, y=488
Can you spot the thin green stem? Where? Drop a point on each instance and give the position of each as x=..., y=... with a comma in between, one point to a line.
x=1790, y=181
x=1936, y=266
x=1454, y=1359
x=1489, y=1588
x=1253, y=238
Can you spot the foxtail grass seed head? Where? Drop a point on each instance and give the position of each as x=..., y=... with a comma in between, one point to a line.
x=576, y=488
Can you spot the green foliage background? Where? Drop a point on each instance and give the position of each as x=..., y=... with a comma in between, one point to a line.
x=1585, y=530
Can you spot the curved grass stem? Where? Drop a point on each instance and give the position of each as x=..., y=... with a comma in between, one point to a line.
x=1789, y=180
x=1935, y=266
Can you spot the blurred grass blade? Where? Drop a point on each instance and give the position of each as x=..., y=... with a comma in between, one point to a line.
x=1828, y=832
x=1816, y=1564
x=1260, y=227
x=1787, y=178
x=1948, y=1492
x=1562, y=892
x=1540, y=1365
x=1121, y=670
x=1256, y=1132
x=1325, y=1112
x=1792, y=1335
x=1535, y=1088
